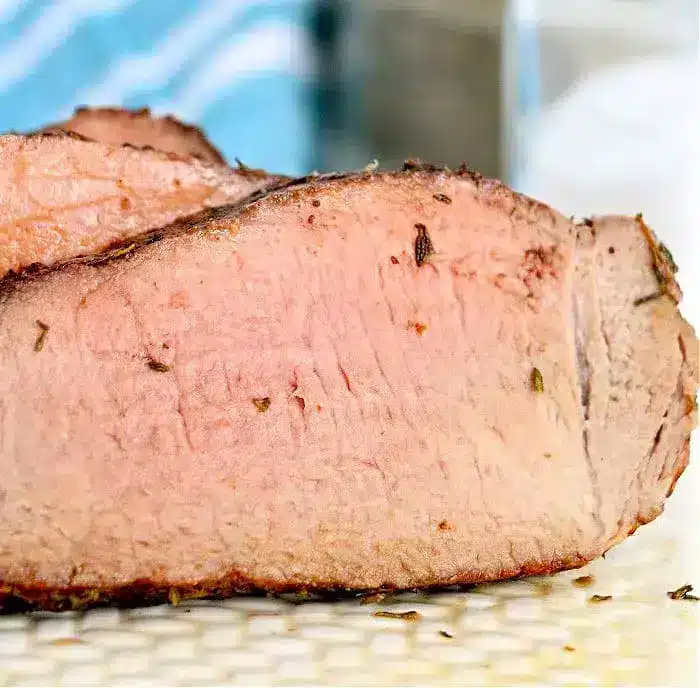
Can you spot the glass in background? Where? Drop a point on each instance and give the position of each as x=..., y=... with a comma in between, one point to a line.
x=602, y=115
x=409, y=78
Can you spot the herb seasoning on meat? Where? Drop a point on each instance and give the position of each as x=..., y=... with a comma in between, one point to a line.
x=537, y=381
x=262, y=404
x=43, y=329
x=424, y=246
x=158, y=366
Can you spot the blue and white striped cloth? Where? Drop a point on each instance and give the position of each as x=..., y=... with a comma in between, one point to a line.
x=241, y=69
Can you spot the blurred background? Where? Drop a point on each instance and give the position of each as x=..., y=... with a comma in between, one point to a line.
x=591, y=105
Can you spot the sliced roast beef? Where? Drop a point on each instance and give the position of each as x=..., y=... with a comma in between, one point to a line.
x=62, y=195
x=140, y=128
x=385, y=380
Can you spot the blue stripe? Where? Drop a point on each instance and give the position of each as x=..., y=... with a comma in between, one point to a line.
x=272, y=131
x=265, y=120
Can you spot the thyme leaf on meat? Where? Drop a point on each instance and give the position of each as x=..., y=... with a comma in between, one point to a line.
x=262, y=404
x=158, y=366
x=537, y=381
x=443, y=198
x=43, y=329
x=423, y=245
x=649, y=297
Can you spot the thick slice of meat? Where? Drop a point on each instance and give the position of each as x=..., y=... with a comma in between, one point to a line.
x=354, y=382
x=62, y=195
x=140, y=128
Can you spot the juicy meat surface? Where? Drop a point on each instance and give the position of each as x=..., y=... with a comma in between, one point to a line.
x=277, y=395
x=63, y=196
x=140, y=128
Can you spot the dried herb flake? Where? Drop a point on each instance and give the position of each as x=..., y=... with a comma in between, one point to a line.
x=445, y=634
x=649, y=297
x=537, y=381
x=583, y=581
x=158, y=366
x=43, y=329
x=373, y=598
x=262, y=404
x=403, y=616
x=443, y=198
x=683, y=593
x=423, y=245
x=600, y=598
x=122, y=251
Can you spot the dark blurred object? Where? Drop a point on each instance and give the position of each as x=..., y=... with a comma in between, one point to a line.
x=338, y=142
x=405, y=79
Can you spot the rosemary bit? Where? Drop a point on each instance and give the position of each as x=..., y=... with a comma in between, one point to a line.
x=423, y=245
x=262, y=404
x=537, y=381
x=443, y=198
x=404, y=616
x=43, y=329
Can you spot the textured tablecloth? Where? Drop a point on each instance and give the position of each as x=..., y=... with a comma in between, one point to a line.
x=539, y=631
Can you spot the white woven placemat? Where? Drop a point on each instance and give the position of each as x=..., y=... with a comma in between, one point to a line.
x=539, y=631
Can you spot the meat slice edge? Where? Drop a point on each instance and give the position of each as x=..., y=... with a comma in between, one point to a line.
x=65, y=196
x=118, y=126
x=641, y=360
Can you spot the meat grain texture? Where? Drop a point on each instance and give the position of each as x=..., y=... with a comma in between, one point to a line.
x=62, y=195
x=140, y=128
x=276, y=395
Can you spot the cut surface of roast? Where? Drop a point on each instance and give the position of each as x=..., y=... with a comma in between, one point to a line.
x=63, y=196
x=384, y=380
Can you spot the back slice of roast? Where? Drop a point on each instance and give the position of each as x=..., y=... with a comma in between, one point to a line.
x=140, y=128
x=387, y=380
x=62, y=195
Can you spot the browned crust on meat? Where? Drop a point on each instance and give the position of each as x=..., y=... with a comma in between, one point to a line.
x=36, y=595
x=279, y=190
x=193, y=138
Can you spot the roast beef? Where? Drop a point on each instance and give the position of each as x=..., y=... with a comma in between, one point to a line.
x=384, y=380
x=62, y=195
x=140, y=128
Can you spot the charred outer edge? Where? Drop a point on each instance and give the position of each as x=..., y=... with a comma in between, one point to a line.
x=16, y=597
x=278, y=187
